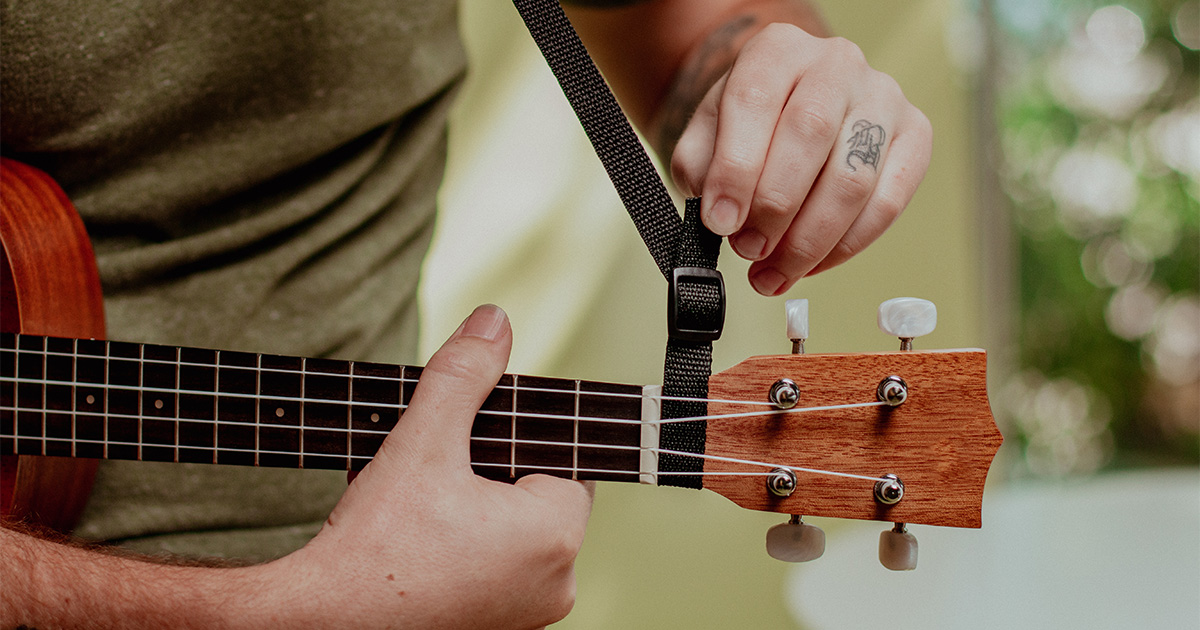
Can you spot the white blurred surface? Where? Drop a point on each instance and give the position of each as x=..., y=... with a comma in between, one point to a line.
x=1119, y=551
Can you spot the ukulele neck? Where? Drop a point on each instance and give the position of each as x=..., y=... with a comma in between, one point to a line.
x=119, y=400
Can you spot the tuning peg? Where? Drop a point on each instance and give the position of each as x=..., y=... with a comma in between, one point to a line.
x=907, y=318
x=797, y=323
x=795, y=541
x=898, y=549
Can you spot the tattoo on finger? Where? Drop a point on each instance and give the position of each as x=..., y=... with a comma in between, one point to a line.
x=865, y=144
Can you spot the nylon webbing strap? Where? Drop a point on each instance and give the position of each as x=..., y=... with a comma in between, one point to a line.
x=689, y=363
x=637, y=183
x=685, y=251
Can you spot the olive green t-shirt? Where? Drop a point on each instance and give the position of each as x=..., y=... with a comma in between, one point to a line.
x=255, y=176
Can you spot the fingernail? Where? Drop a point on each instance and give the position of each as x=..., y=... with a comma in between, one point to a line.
x=749, y=244
x=485, y=322
x=767, y=281
x=723, y=216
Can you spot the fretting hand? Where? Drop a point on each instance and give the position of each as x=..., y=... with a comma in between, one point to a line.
x=419, y=537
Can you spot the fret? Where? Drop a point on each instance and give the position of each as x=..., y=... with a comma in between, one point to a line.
x=57, y=395
x=159, y=402
x=594, y=406
x=196, y=432
x=303, y=381
x=495, y=428
x=8, y=393
x=326, y=393
x=575, y=436
x=121, y=409
x=376, y=400
x=555, y=397
x=279, y=411
x=234, y=432
x=258, y=387
x=512, y=458
x=349, y=414
x=43, y=399
x=30, y=413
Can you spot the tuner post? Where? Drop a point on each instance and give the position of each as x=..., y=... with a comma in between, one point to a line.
x=784, y=393
x=892, y=390
x=889, y=490
x=781, y=482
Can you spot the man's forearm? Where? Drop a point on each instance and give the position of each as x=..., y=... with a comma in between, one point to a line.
x=661, y=57
x=46, y=584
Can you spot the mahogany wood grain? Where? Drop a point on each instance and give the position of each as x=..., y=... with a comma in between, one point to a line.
x=940, y=442
x=49, y=285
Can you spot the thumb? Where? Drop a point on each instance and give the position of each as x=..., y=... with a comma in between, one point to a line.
x=458, y=378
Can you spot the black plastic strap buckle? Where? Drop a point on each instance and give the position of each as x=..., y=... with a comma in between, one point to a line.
x=696, y=320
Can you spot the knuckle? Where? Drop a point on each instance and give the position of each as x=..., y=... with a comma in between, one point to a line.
x=847, y=50
x=780, y=34
x=731, y=167
x=748, y=95
x=803, y=252
x=813, y=123
x=452, y=365
x=888, y=208
x=773, y=204
x=853, y=188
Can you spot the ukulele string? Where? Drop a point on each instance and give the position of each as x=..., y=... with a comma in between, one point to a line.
x=507, y=441
x=401, y=407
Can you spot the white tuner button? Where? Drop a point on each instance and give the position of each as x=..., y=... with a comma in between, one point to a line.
x=898, y=549
x=795, y=541
x=797, y=319
x=907, y=318
x=797, y=323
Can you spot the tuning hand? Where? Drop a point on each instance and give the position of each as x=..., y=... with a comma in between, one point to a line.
x=418, y=540
x=804, y=154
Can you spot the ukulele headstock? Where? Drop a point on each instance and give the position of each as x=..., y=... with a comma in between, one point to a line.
x=843, y=426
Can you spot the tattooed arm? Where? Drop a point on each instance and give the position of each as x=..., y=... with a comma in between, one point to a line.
x=804, y=154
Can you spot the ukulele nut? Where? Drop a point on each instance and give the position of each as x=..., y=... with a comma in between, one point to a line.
x=889, y=490
x=784, y=394
x=781, y=482
x=892, y=390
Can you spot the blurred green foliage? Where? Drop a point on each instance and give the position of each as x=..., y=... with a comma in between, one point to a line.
x=1099, y=116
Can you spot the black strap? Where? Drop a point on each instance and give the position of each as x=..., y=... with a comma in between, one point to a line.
x=685, y=251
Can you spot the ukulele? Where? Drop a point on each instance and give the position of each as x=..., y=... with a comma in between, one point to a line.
x=904, y=437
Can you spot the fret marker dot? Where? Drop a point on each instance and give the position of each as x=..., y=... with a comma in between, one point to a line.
x=158, y=404
x=374, y=417
x=91, y=400
x=279, y=412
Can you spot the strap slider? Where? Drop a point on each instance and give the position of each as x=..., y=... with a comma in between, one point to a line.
x=696, y=304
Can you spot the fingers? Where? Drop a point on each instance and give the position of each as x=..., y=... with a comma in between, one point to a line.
x=909, y=156
x=826, y=214
x=804, y=155
x=437, y=424
x=756, y=90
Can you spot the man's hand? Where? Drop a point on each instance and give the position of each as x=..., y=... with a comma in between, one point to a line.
x=804, y=154
x=417, y=541
x=419, y=538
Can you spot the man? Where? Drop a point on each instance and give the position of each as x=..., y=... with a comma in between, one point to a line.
x=261, y=178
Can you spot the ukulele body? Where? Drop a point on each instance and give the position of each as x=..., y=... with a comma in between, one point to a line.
x=49, y=285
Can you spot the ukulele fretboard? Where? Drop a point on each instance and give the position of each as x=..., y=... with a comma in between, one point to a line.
x=119, y=400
